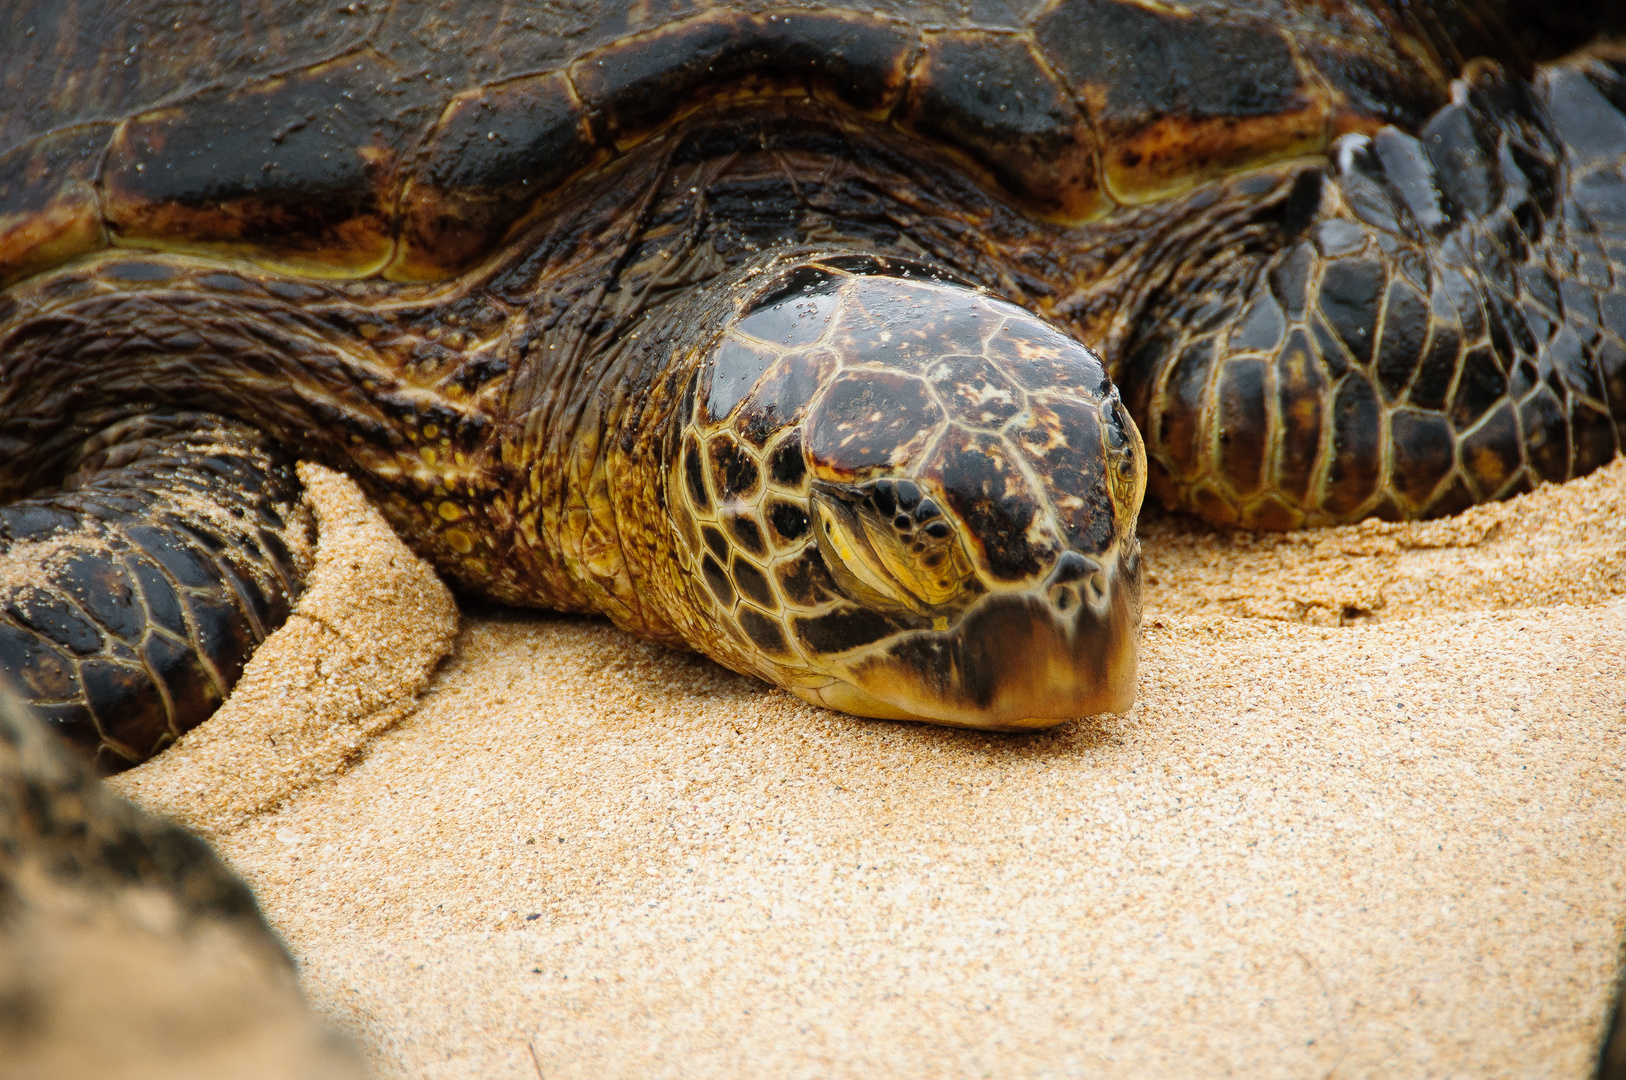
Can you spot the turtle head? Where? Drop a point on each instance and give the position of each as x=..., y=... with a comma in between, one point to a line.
x=903, y=498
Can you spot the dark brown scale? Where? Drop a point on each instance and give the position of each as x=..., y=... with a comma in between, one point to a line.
x=1547, y=447
x=1569, y=360
x=1348, y=300
x=1491, y=452
x=788, y=466
x=753, y=585
x=1180, y=428
x=331, y=141
x=1596, y=439
x=782, y=398
x=1438, y=369
x=715, y=542
x=694, y=474
x=1290, y=281
x=764, y=633
x=1260, y=329
x=1243, y=424
x=747, y=534
x=1405, y=328
x=846, y=629
x=637, y=84
x=49, y=210
x=1067, y=464
x=1424, y=454
x=734, y=473
x=1137, y=68
x=865, y=418
x=1480, y=385
x=992, y=97
x=1040, y=362
x=718, y=580
x=737, y=368
x=975, y=391
x=494, y=151
x=805, y=581
x=1356, y=467
x=1332, y=352
x=1300, y=393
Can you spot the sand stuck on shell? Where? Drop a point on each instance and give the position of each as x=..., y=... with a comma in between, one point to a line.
x=1367, y=818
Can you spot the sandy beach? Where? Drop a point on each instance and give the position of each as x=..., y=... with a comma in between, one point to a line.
x=1367, y=818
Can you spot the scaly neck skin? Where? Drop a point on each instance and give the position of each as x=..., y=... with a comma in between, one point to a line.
x=591, y=513
x=585, y=445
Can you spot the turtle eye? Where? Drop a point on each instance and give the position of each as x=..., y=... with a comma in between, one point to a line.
x=1115, y=432
x=891, y=545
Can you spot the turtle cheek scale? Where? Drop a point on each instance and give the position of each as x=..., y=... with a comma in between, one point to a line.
x=940, y=492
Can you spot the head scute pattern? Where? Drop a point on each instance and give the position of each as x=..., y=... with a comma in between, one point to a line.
x=874, y=453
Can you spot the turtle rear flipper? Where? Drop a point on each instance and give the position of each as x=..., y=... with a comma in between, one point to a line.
x=1446, y=325
x=132, y=596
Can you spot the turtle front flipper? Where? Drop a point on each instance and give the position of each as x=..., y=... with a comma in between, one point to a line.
x=133, y=593
x=1445, y=323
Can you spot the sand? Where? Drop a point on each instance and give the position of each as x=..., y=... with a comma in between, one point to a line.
x=1367, y=818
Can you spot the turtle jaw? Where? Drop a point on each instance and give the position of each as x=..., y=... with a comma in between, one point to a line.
x=1015, y=661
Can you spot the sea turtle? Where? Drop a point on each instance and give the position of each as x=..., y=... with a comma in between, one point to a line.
x=822, y=339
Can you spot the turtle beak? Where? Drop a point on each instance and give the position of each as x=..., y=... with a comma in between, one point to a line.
x=1015, y=660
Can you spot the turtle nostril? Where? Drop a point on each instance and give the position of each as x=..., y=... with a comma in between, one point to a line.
x=1095, y=586
x=1062, y=597
x=1072, y=567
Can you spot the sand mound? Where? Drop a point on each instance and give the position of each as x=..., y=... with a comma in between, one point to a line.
x=1366, y=819
x=360, y=647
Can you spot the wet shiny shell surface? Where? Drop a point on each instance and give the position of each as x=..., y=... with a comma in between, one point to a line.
x=407, y=140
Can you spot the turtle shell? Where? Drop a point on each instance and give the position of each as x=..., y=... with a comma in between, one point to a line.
x=407, y=141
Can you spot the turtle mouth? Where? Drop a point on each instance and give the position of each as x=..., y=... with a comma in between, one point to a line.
x=1015, y=660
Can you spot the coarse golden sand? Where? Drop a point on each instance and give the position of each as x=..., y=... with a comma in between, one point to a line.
x=1367, y=818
